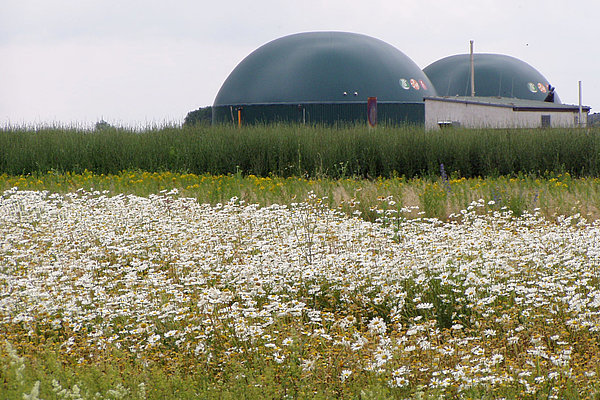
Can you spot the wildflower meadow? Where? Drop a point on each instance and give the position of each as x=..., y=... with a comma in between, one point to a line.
x=108, y=295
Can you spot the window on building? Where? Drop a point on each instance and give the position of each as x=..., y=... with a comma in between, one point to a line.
x=546, y=122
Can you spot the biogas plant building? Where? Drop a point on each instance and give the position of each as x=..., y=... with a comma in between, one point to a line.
x=341, y=77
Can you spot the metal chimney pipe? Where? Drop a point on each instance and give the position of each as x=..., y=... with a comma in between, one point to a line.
x=580, y=107
x=472, y=71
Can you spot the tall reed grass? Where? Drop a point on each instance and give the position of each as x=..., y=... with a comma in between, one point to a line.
x=296, y=150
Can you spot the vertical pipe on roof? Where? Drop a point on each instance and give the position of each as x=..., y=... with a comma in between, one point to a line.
x=580, y=108
x=472, y=71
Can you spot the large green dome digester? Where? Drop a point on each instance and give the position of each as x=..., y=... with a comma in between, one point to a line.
x=330, y=75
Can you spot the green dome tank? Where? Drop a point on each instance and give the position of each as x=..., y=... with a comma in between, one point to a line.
x=323, y=77
x=496, y=75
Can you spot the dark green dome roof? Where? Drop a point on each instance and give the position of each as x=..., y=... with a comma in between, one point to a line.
x=495, y=75
x=324, y=67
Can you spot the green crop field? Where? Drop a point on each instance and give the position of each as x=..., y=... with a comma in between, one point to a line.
x=311, y=263
x=296, y=150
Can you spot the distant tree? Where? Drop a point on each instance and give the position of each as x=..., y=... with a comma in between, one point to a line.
x=594, y=119
x=102, y=124
x=203, y=115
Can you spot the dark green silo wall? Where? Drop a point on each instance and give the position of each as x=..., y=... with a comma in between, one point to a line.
x=313, y=113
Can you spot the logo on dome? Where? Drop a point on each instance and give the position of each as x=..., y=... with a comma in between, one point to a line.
x=404, y=84
x=542, y=87
x=414, y=84
x=423, y=85
x=531, y=87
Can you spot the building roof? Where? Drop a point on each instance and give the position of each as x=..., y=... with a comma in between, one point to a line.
x=515, y=104
x=325, y=67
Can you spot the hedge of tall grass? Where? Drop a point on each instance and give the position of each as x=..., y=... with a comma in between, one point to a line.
x=288, y=150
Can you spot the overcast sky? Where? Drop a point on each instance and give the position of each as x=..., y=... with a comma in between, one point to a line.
x=141, y=62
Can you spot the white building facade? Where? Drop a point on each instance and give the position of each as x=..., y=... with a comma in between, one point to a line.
x=497, y=112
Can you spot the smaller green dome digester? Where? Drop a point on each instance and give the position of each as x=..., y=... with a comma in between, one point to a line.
x=496, y=75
